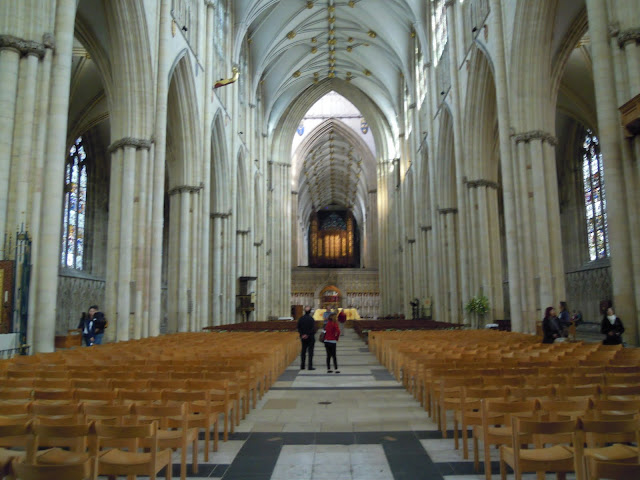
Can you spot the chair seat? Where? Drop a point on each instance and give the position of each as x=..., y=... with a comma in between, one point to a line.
x=6, y=456
x=612, y=453
x=58, y=456
x=118, y=457
x=549, y=454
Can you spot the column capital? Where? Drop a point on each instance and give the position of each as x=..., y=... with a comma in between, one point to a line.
x=279, y=164
x=258, y=244
x=426, y=228
x=482, y=183
x=137, y=143
x=243, y=232
x=22, y=46
x=535, y=135
x=220, y=214
x=210, y=3
x=372, y=191
x=445, y=211
x=411, y=240
x=184, y=189
x=628, y=36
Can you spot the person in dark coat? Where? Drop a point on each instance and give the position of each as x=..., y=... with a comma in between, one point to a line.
x=87, y=326
x=550, y=326
x=612, y=327
x=307, y=332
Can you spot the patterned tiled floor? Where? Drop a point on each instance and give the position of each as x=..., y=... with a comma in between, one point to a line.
x=359, y=424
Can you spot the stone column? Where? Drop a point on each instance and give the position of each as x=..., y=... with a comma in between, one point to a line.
x=49, y=238
x=23, y=136
x=609, y=135
x=458, y=152
x=216, y=267
x=39, y=145
x=195, y=260
x=157, y=220
x=9, y=63
x=506, y=166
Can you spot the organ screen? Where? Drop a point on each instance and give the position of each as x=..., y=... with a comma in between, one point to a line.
x=333, y=240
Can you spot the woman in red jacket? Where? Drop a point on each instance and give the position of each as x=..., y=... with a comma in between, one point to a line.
x=331, y=335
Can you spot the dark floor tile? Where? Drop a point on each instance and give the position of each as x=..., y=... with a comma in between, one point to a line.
x=204, y=469
x=445, y=468
x=337, y=438
x=299, y=438
x=288, y=376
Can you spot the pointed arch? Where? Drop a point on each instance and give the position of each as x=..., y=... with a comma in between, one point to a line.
x=183, y=134
x=220, y=198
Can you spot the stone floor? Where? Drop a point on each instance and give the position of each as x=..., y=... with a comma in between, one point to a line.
x=359, y=424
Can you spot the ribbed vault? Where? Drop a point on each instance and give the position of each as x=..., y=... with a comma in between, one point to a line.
x=333, y=167
x=294, y=44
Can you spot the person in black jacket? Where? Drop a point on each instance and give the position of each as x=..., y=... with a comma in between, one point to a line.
x=87, y=326
x=550, y=326
x=307, y=331
x=612, y=327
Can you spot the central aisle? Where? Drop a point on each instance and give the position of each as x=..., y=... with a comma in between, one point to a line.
x=357, y=425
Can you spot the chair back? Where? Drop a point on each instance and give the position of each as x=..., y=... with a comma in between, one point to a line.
x=28, y=471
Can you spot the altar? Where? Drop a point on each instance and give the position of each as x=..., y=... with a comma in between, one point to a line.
x=352, y=313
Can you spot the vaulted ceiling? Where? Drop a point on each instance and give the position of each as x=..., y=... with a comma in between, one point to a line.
x=296, y=43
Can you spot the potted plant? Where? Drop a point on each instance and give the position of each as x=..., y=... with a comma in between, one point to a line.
x=478, y=306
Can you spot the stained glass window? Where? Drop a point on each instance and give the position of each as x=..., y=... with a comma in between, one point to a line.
x=75, y=206
x=594, y=198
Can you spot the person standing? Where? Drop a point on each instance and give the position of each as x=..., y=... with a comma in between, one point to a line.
x=307, y=332
x=550, y=327
x=612, y=327
x=331, y=336
x=99, y=324
x=87, y=326
x=564, y=319
x=342, y=321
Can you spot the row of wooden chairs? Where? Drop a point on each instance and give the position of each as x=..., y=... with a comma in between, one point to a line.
x=492, y=425
x=86, y=450
x=559, y=446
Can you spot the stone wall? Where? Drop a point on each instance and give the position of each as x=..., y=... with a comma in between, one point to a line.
x=77, y=291
x=587, y=287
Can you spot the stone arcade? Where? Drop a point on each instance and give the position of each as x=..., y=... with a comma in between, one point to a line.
x=152, y=152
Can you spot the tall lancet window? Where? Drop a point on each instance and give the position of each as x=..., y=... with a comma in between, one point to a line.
x=594, y=198
x=75, y=205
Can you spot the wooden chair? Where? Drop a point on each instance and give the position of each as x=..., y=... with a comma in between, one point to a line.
x=28, y=471
x=92, y=384
x=53, y=384
x=108, y=414
x=614, y=470
x=15, y=411
x=15, y=395
x=621, y=392
x=199, y=414
x=70, y=443
x=496, y=426
x=220, y=401
x=556, y=458
x=57, y=412
x=14, y=433
x=51, y=396
x=602, y=438
x=117, y=461
x=173, y=431
x=95, y=396
x=451, y=397
x=469, y=414
x=138, y=396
